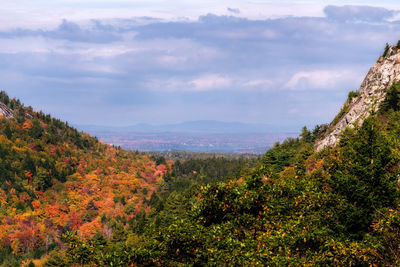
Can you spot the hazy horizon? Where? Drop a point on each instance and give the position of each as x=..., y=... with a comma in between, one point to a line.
x=286, y=128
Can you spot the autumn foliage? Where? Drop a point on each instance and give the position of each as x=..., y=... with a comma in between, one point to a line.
x=67, y=199
x=54, y=179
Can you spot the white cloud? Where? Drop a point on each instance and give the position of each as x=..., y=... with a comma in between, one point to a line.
x=206, y=82
x=319, y=79
x=46, y=14
x=261, y=83
x=219, y=61
x=211, y=82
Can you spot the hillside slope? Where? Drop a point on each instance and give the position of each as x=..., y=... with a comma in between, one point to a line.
x=67, y=199
x=368, y=97
x=54, y=179
x=339, y=206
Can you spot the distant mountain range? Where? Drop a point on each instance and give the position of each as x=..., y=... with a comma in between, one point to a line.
x=199, y=126
x=198, y=136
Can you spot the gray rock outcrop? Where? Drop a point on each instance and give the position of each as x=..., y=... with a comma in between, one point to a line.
x=5, y=111
x=371, y=93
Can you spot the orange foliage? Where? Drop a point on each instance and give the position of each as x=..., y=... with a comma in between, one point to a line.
x=3, y=197
x=35, y=204
x=101, y=185
x=74, y=220
x=89, y=228
x=28, y=175
x=27, y=237
x=27, y=124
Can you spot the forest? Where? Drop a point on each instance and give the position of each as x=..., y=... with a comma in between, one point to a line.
x=67, y=199
x=59, y=185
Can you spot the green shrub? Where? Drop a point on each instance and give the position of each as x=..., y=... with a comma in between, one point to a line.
x=386, y=50
x=392, y=99
x=352, y=94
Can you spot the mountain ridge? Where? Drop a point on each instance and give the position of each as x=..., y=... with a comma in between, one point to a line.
x=366, y=99
x=200, y=136
x=196, y=126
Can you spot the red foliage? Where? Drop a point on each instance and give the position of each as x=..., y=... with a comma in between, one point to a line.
x=74, y=220
x=29, y=175
x=27, y=237
x=103, y=179
x=27, y=124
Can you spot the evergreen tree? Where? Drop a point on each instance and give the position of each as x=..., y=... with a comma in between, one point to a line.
x=386, y=50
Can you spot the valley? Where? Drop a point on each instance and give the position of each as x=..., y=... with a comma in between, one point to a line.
x=237, y=143
x=199, y=133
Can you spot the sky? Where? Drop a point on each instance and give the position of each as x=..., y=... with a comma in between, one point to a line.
x=283, y=63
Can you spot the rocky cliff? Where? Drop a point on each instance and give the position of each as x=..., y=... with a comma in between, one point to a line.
x=367, y=98
x=5, y=111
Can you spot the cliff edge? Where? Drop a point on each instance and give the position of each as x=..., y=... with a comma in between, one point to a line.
x=371, y=93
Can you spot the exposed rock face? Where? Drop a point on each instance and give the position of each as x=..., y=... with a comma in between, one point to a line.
x=371, y=93
x=5, y=111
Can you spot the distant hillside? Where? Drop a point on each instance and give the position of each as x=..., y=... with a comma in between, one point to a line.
x=201, y=126
x=196, y=142
x=197, y=136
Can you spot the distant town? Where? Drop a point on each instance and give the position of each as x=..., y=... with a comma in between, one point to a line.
x=241, y=143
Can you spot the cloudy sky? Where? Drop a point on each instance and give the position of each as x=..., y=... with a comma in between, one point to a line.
x=285, y=63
